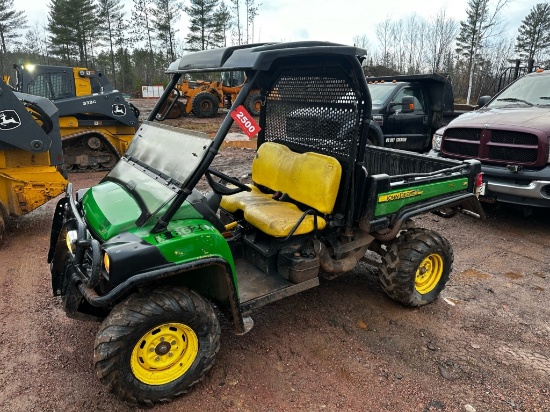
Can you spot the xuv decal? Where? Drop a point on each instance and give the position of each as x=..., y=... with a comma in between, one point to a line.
x=399, y=195
x=9, y=119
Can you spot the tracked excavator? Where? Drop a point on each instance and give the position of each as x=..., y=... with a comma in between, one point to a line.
x=96, y=122
x=31, y=155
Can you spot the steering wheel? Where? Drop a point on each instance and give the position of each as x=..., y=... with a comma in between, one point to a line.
x=222, y=189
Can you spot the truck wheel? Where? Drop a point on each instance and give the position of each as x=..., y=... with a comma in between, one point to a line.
x=254, y=104
x=156, y=345
x=205, y=104
x=416, y=267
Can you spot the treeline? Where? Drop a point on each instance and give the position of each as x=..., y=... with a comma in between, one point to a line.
x=473, y=52
x=134, y=47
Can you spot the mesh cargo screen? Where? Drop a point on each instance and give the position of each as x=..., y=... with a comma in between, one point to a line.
x=314, y=111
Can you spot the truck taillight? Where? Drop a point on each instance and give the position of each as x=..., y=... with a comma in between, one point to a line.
x=479, y=179
x=479, y=188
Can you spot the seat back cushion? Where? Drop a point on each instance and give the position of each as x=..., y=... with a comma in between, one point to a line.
x=309, y=178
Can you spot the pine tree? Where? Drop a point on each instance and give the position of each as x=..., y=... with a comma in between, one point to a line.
x=534, y=33
x=202, y=27
x=237, y=26
x=10, y=21
x=143, y=28
x=223, y=20
x=111, y=21
x=480, y=24
x=165, y=16
x=72, y=25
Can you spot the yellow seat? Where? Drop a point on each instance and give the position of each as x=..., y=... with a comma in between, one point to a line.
x=309, y=178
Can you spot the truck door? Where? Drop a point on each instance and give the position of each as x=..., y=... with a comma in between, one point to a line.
x=409, y=131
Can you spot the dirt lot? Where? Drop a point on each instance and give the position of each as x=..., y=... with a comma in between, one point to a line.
x=344, y=346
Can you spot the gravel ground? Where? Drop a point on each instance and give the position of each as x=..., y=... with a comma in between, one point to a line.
x=343, y=346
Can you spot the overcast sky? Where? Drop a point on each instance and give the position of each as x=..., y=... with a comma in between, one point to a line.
x=336, y=21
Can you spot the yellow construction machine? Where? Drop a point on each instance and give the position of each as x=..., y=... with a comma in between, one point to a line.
x=204, y=98
x=31, y=155
x=96, y=122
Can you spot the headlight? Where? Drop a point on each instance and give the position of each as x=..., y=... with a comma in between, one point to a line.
x=71, y=237
x=106, y=262
x=436, y=141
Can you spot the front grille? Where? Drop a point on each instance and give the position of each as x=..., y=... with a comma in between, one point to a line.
x=498, y=146
x=517, y=138
x=459, y=148
x=513, y=154
x=464, y=134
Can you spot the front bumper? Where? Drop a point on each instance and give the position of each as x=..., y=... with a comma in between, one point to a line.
x=526, y=187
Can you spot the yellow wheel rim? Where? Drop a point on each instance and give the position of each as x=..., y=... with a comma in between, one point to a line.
x=428, y=273
x=164, y=353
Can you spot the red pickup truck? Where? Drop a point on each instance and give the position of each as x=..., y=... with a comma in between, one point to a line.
x=509, y=135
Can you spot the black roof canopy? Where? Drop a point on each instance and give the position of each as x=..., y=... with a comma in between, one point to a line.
x=255, y=56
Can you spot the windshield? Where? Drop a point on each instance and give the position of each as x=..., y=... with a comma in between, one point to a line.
x=532, y=90
x=158, y=163
x=379, y=92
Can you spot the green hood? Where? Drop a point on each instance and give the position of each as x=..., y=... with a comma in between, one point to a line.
x=109, y=210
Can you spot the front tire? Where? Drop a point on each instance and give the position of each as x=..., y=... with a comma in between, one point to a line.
x=205, y=104
x=253, y=104
x=156, y=345
x=416, y=267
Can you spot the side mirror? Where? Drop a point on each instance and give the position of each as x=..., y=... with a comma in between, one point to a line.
x=407, y=104
x=483, y=100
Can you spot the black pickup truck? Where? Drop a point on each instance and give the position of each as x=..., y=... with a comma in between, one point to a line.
x=408, y=109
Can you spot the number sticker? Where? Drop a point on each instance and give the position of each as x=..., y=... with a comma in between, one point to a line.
x=245, y=121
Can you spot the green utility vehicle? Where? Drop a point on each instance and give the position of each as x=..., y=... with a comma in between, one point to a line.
x=149, y=255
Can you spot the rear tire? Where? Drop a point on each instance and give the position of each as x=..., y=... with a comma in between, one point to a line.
x=416, y=267
x=156, y=345
x=205, y=104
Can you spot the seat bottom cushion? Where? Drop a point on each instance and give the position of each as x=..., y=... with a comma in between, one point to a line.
x=272, y=217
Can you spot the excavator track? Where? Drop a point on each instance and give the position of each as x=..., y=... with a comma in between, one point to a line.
x=86, y=151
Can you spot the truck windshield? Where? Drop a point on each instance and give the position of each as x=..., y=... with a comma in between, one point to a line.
x=379, y=92
x=531, y=90
x=158, y=163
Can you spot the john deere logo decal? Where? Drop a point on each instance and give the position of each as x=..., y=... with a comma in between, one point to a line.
x=399, y=195
x=9, y=119
x=119, y=110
